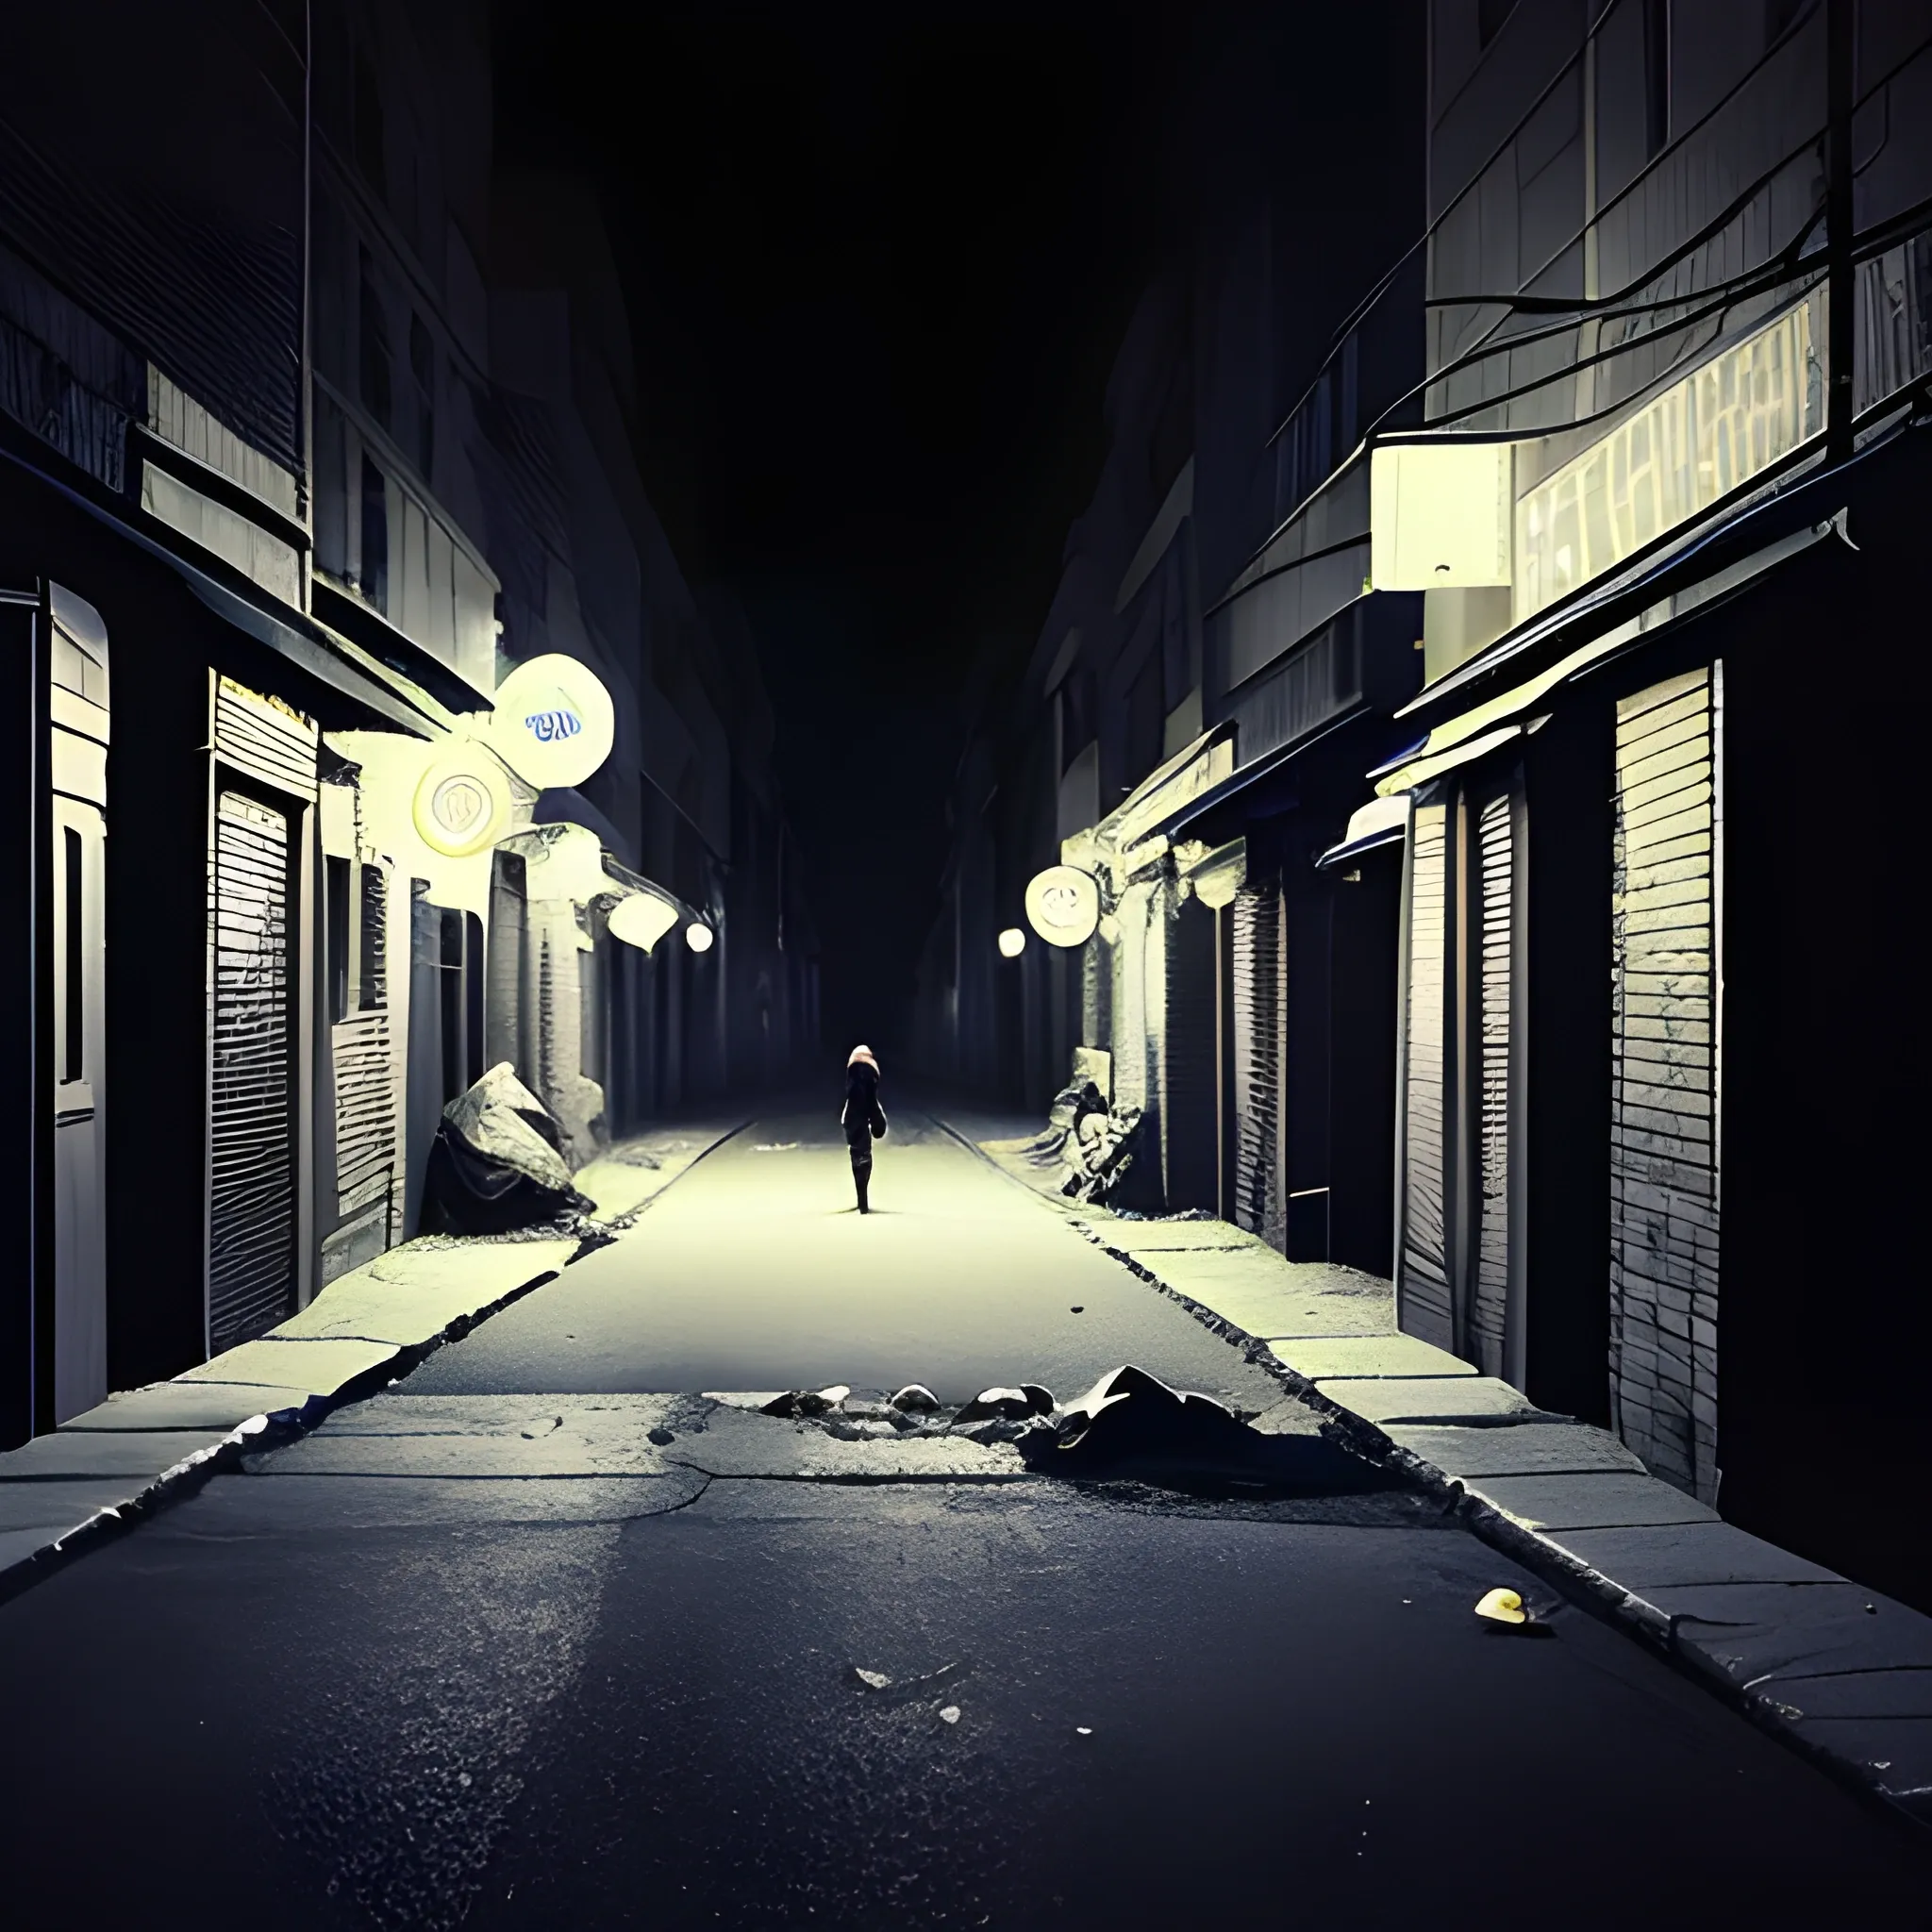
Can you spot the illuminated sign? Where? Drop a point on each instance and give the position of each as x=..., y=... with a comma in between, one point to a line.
x=641, y=920
x=554, y=723
x=462, y=803
x=1063, y=906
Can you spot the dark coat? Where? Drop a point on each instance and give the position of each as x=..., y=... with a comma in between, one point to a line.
x=864, y=1119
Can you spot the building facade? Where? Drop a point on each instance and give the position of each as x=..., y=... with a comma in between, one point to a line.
x=1529, y=740
x=372, y=733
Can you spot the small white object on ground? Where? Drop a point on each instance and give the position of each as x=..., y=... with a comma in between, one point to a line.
x=873, y=1680
x=1502, y=1606
x=950, y=1715
x=1085, y=1730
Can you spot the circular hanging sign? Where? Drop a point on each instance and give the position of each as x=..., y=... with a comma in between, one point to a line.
x=554, y=723
x=462, y=803
x=1063, y=906
x=641, y=920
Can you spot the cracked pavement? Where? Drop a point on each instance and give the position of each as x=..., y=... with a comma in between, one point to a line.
x=548, y=1635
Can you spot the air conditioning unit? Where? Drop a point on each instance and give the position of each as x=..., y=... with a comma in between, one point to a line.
x=1440, y=515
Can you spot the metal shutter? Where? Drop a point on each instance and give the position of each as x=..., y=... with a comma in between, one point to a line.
x=1664, y=1044
x=363, y=1061
x=1488, y=1310
x=1422, y=1280
x=1259, y=1010
x=251, y=1266
x=1189, y=1085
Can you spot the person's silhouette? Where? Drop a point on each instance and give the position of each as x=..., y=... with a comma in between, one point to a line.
x=864, y=1119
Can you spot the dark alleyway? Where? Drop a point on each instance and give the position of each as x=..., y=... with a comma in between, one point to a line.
x=537, y=1637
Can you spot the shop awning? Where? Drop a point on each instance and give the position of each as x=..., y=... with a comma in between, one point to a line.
x=1381, y=822
x=313, y=648
x=1165, y=793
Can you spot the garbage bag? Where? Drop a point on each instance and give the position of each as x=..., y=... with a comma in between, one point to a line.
x=497, y=1162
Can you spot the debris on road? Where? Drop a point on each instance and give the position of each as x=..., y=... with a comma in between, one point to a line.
x=949, y=1714
x=878, y=1685
x=1130, y=1420
x=1502, y=1606
x=497, y=1161
x=807, y=1402
x=1010, y=1403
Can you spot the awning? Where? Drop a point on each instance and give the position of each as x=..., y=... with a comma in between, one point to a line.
x=311, y=647
x=1707, y=565
x=1404, y=779
x=1381, y=822
x=1164, y=794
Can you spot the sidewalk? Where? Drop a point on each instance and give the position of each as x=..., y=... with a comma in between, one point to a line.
x=1836, y=1669
x=105, y=1468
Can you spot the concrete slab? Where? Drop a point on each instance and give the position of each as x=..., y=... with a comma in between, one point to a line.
x=618, y=1187
x=1874, y=1643
x=1691, y=1553
x=358, y=1503
x=1158, y=1236
x=1408, y=1355
x=1896, y=1754
x=557, y=1452
x=187, y=1406
x=735, y=1444
x=320, y=1366
x=1292, y=1417
x=50, y=1509
x=1534, y=1449
x=1893, y=1693
x=493, y=1269
x=405, y=1313
x=397, y=1412
x=1596, y=1499
x=1429, y=1398
x=487, y=1437
x=1709, y=1608
x=120, y=1454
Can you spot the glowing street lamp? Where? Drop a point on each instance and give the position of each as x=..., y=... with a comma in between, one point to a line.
x=1013, y=943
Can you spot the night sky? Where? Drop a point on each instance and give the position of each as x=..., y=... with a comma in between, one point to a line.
x=877, y=267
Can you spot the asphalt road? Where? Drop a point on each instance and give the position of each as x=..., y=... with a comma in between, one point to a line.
x=488, y=1651
x=755, y=1270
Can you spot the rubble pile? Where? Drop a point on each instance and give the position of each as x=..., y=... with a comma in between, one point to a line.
x=497, y=1162
x=1130, y=1423
x=1088, y=1148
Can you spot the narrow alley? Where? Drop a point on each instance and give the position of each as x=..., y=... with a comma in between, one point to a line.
x=542, y=1633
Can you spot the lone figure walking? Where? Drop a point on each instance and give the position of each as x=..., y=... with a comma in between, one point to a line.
x=864, y=1119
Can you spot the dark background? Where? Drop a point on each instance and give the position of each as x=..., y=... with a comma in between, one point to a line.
x=877, y=267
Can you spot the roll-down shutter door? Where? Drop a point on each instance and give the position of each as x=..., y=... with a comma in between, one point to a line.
x=1260, y=1006
x=1422, y=1285
x=363, y=1059
x=1488, y=1312
x=252, y=1154
x=1664, y=1071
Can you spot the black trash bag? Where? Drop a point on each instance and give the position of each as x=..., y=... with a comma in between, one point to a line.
x=497, y=1161
x=1131, y=1423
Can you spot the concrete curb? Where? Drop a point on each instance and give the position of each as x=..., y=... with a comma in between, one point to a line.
x=1715, y=1653
x=1578, y=1581
x=41, y=1552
